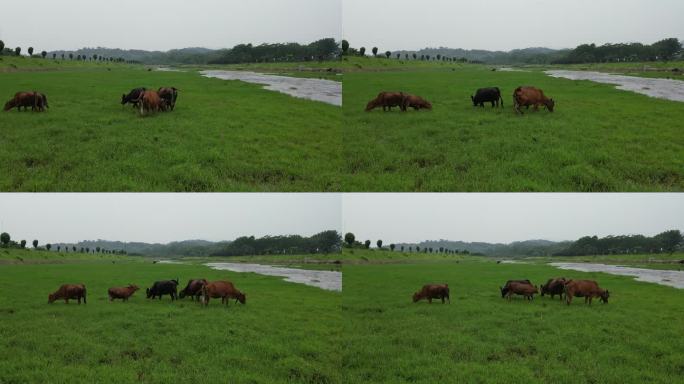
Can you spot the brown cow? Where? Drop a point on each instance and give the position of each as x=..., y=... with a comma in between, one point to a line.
x=169, y=97
x=150, y=102
x=387, y=100
x=21, y=99
x=122, y=292
x=554, y=287
x=526, y=96
x=432, y=291
x=40, y=102
x=585, y=288
x=416, y=102
x=69, y=291
x=523, y=289
x=504, y=290
x=193, y=289
x=223, y=289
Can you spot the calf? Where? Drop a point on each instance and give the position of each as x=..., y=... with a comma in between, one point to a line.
x=505, y=288
x=487, y=95
x=69, y=291
x=387, y=100
x=523, y=289
x=223, y=289
x=193, y=289
x=21, y=99
x=169, y=97
x=165, y=287
x=585, y=288
x=432, y=291
x=122, y=293
x=526, y=96
x=554, y=287
x=133, y=97
x=415, y=102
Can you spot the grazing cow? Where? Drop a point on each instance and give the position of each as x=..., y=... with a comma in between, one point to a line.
x=193, y=289
x=21, y=99
x=169, y=97
x=69, y=291
x=133, y=97
x=487, y=95
x=387, y=100
x=554, y=287
x=40, y=102
x=165, y=287
x=505, y=288
x=122, y=293
x=432, y=291
x=150, y=102
x=526, y=96
x=223, y=289
x=523, y=289
x=585, y=288
x=415, y=102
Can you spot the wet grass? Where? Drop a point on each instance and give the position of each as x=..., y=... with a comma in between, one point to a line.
x=223, y=136
x=481, y=338
x=598, y=139
x=287, y=333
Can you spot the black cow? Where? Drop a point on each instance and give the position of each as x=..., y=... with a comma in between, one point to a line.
x=133, y=97
x=487, y=95
x=166, y=287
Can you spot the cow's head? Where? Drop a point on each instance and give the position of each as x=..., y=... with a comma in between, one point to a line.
x=473, y=99
x=181, y=294
x=372, y=104
x=8, y=105
x=503, y=292
x=123, y=99
x=604, y=296
x=427, y=105
x=416, y=297
x=149, y=294
x=241, y=297
x=51, y=298
x=536, y=289
x=550, y=104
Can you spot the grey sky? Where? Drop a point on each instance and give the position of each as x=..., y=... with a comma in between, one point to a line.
x=165, y=24
x=400, y=217
x=163, y=218
x=506, y=24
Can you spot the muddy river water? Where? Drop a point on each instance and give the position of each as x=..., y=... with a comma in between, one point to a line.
x=663, y=277
x=328, y=280
x=327, y=91
x=660, y=88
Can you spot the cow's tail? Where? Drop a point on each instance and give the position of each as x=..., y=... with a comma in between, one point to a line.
x=84, y=294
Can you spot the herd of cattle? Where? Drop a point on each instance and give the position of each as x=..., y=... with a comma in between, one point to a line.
x=198, y=289
x=561, y=286
x=522, y=97
x=163, y=99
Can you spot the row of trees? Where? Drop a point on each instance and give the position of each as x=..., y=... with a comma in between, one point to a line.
x=351, y=242
x=323, y=49
x=7, y=242
x=665, y=242
x=349, y=51
x=17, y=52
x=324, y=242
x=664, y=50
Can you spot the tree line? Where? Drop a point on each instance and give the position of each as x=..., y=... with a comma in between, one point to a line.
x=663, y=50
x=323, y=49
x=62, y=55
x=665, y=242
x=7, y=242
x=350, y=242
x=321, y=243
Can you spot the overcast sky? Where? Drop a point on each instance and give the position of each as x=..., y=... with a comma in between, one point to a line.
x=162, y=218
x=506, y=24
x=165, y=24
x=402, y=218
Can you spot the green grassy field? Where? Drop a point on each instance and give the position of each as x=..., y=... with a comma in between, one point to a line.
x=286, y=333
x=480, y=337
x=598, y=138
x=223, y=135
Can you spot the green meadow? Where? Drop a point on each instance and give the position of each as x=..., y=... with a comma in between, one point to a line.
x=286, y=333
x=598, y=139
x=222, y=136
x=480, y=337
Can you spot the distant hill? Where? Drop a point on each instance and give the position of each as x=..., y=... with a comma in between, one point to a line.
x=517, y=248
x=537, y=55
